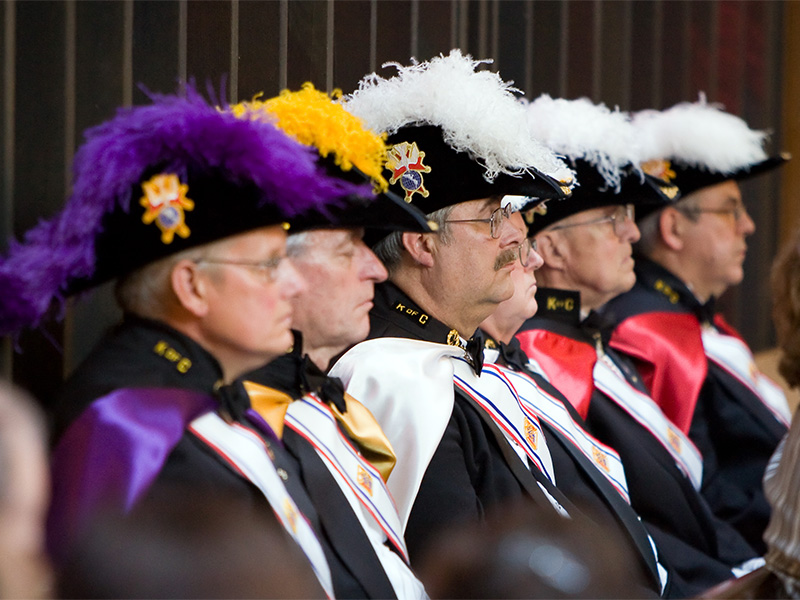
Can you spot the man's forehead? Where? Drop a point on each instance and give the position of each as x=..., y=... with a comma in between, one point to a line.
x=726, y=191
x=480, y=205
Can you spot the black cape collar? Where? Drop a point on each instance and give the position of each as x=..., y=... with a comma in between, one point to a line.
x=295, y=374
x=395, y=314
x=653, y=276
x=562, y=308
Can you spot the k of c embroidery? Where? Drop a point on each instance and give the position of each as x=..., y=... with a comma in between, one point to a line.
x=405, y=162
x=165, y=202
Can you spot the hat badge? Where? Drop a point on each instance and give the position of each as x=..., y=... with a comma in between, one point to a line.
x=660, y=169
x=405, y=162
x=165, y=202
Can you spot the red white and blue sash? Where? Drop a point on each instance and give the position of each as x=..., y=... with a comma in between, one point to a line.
x=733, y=355
x=247, y=454
x=361, y=484
x=407, y=385
x=610, y=380
x=538, y=403
x=494, y=392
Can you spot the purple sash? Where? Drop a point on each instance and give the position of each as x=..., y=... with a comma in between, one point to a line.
x=110, y=455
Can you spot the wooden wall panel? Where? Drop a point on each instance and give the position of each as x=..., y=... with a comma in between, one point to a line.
x=259, y=48
x=156, y=47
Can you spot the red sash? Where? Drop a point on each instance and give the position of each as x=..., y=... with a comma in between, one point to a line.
x=568, y=364
x=668, y=350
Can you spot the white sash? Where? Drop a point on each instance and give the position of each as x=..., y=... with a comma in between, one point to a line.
x=408, y=387
x=247, y=453
x=609, y=380
x=493, y=392
x=363, y=487
x=735, y=357
x=537, y=402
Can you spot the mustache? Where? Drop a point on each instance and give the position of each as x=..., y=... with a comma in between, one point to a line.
x=505, y=258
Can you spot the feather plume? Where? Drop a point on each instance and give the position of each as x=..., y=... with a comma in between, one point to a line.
x=314, y=119
x=580, y=129
x=477, y=111
x=700, y=135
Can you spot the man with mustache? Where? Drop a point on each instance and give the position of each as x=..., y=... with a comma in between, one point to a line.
x=696, y=366
x=463, y=446
x=586, y=248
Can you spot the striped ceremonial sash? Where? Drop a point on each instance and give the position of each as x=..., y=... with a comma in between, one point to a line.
x=360, y=482
x=493, y=392
x=247, y=454
x=536, y=402
x=609, y=380
x=732, y=355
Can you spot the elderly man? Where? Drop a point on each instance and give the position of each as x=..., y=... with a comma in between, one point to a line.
x=586, y=248
x=698, y=369
x=463, y=443
x=185, y=206
x=322, y=424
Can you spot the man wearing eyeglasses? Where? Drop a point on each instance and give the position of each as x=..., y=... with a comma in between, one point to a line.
x=464, y=445
x=586, y=246
x=697, y=367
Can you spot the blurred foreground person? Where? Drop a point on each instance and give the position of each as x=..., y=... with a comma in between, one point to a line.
x=185, y=206
x=24, y=495
x=186, y=542
x=521, y=553
x=697, y=367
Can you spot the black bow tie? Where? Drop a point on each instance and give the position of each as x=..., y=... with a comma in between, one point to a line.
x=474, y=351
x=514, y=356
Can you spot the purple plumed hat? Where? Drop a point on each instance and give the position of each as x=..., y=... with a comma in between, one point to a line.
x=156, y=180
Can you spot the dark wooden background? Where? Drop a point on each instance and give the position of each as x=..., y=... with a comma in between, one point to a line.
x=68, y=64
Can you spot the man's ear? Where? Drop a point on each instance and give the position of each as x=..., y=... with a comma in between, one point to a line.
x=190, y=287
x=671, y=227
x=552, y=249
x=420, y=246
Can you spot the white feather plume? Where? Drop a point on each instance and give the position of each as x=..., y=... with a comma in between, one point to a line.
x=476, y=110
x=700, y=135
x=579, y=128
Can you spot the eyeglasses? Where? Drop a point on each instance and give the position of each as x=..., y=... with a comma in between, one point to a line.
x=525, y=248
x=268, y=269
x=496, y=220
x=737, y=211
x=623, y=214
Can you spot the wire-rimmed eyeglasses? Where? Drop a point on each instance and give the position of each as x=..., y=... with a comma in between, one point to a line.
x=526, y=248
x=738, y=211
x=495, y=221
x=622, y=214
x=268, y=268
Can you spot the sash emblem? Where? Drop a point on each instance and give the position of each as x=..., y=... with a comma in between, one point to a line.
x=364, y=479
x=531, y=433
x=405, y=162
x=660, y=169
x=674, y=440
x=600, y=459
x=290, y=512
x=165, y=201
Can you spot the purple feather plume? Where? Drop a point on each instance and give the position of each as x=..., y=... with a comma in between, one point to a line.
x=173, y=133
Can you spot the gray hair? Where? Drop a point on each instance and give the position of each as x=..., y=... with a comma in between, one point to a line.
x=298, y=243
x=649, y=229
x=147, y=290
x=390, y=249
